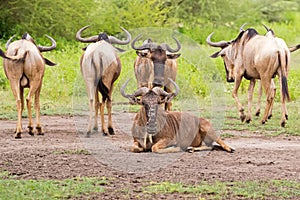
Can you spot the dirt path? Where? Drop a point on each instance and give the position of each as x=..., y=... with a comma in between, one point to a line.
x=61, y=153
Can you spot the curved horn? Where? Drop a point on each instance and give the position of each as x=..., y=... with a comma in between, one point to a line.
x=242, y=27
x=114, y=40
x=44, y=48
x=132, y=97
x=168, y=48
x=9, y=41
x=221, y=44
x=86, y=40
x=169, y=96
x=267, y=28
x=138, y=48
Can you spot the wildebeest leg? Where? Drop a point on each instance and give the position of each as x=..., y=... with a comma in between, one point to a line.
x=237, y=83
x=109, y=112
x=15, y=87
x=273, y=87
x=34, y=87
x=38, y=127
x=259, y=94
x=200, y=148
x=284, y=115
x=164, y=146
x=91, y=90
x=267, y=85
x=250, y=95
x=136, y=148
x=96, y=108
x=102, y=106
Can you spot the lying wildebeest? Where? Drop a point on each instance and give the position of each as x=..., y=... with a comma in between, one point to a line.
x=167, y=131
x=24, y=67
x=255, y=57
x=100, y=67
x=155, y=64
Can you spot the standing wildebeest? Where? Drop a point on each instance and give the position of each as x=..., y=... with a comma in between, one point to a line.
x=155, y=64
x=24, y=67
x=255, y=57
x=100, y=67
x=167, y=131
x=270, y=33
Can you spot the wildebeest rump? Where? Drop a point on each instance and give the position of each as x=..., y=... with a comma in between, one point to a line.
x=100, y=68
x=24, y=67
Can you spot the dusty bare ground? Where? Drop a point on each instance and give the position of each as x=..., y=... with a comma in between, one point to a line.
x=61, y=153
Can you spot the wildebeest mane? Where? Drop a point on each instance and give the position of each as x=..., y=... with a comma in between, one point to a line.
x=250, y=33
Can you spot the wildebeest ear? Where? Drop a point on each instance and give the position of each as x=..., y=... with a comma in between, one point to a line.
x=48, y=62
x=173, y=55
x=142, y=53
x=216, y=54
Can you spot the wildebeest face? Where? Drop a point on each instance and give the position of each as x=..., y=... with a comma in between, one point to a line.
x=150, y=102
x=227, y=55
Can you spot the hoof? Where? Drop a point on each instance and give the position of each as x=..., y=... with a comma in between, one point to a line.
x=39, y=130
x=95, y=129
x=30, y=130
x=190, y=149
x=270, y=116
x=282, y=124
x=88, y=134
x=248, y=120
x=104, y=133
x=257, y=113
x=18, y=136
x=286, y=117
x=242, y=117
x=263, y=122
x=231, y=150
x=111, y=131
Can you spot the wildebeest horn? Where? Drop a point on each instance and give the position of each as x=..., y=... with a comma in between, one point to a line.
x=169, y=96
x=132, y=97
x=269, y=30
x=144, y=46
x=221, y=44
x=242, y=27
x=9, y=41
x=44, y=48
x=114, y=40
x=168, y=48
x=86, y=40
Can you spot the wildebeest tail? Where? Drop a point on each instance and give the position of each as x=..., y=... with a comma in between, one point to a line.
x=19, y=55
x=103, y=90
x=283, y=63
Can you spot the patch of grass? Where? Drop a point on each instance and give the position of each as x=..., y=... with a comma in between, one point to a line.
x=74, y=151
x=272, y=189
x=51, y=189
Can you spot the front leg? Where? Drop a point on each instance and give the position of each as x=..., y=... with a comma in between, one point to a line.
x=250, y=95
x=165, y=146
x=237, y=83
x=136, y=148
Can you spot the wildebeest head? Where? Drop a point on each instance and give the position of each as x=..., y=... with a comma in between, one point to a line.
x=28, y=37
x=103, y=36
x=158, y=54
x=150, y=99
x=229, y=50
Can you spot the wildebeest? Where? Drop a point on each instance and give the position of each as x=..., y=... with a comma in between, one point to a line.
x=270, y=33
x=155, y=64
x=100, y=68
x=24, y=67
x=160, y=131
x=254, y=56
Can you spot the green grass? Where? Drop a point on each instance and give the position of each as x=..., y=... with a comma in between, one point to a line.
x=272, y=189
x=50, y=189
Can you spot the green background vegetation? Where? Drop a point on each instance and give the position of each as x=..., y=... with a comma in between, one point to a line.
x=193, y=19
